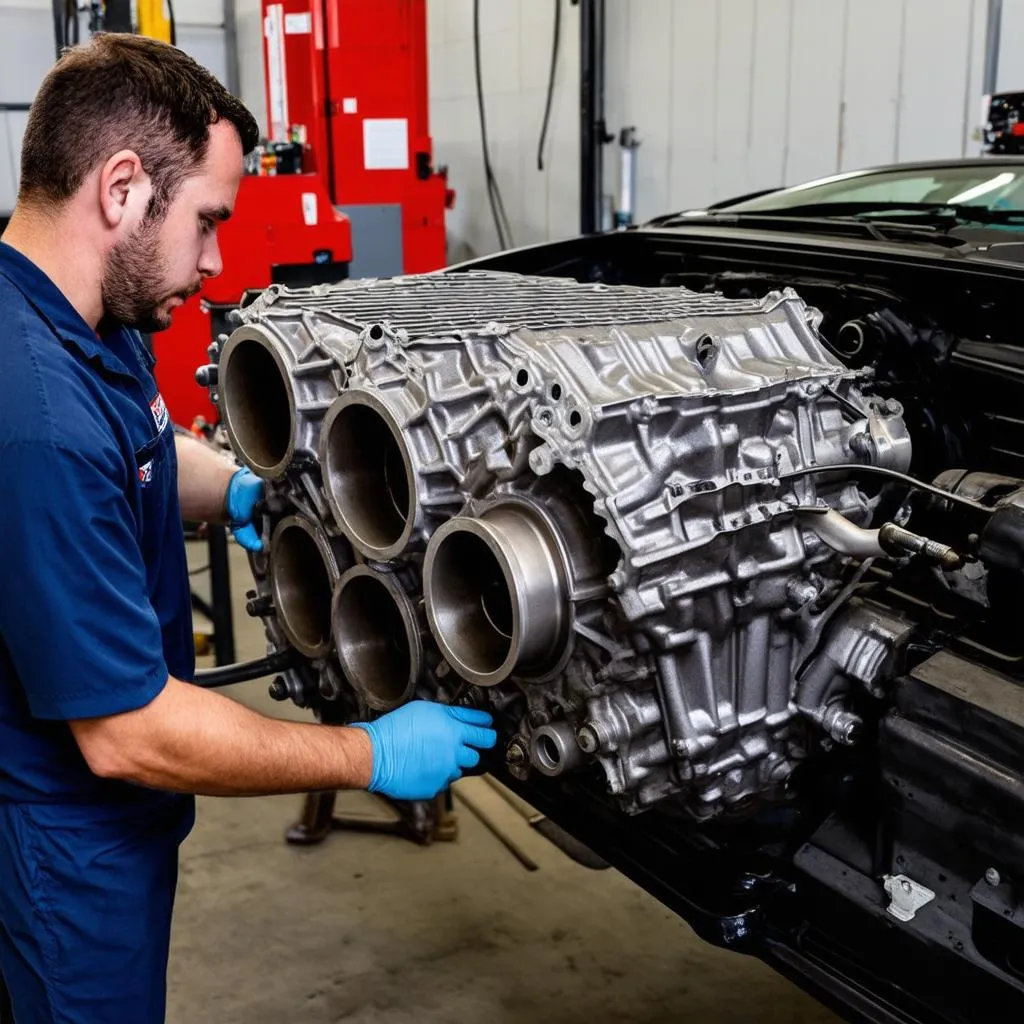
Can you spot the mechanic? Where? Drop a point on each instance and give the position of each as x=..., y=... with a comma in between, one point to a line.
x=132, y=155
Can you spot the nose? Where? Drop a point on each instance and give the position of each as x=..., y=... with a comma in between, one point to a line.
x=210, y=262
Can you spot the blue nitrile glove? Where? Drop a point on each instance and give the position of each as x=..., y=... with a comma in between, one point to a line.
x=421, y=748
x=245, y=489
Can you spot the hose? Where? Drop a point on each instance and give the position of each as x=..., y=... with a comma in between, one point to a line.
x=501, y=222
x=556, y=35
x=891, y=474
x=244, y=671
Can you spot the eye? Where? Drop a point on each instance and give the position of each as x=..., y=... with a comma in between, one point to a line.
x=206, y=224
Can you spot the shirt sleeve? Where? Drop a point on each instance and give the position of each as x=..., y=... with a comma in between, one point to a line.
x=75, y=612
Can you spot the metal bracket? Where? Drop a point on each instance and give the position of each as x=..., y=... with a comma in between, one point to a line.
x=906, y=897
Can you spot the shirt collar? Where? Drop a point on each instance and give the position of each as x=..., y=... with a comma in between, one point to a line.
x=64, y=320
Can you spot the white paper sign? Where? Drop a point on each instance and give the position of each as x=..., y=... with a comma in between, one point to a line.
x=298, y=24
x=386, y=144
x=310, y=210
x=349, y=105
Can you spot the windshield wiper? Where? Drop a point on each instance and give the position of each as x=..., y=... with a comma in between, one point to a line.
x=936, y=213
x=879, y=230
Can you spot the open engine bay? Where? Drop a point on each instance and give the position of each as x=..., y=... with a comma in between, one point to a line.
x=729, y=537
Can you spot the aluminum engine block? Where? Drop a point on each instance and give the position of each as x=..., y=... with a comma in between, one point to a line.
x=604, y=512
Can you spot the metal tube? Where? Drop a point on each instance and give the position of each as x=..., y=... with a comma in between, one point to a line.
x=993, y=39
x=495, y=594
x=221, y=612
x=368, y=474
x=303, y=572
x=257, y=403
x=849, y=539
x=592, y=125
x=845, y=537
x=233, y=71
x=628, y=146
x=377, y=637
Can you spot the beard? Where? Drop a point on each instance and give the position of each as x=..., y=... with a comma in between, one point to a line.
x=135, y=279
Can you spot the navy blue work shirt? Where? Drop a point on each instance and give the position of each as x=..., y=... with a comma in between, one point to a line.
x=95, y=608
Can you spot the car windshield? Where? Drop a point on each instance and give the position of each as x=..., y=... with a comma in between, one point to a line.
x=995, y=186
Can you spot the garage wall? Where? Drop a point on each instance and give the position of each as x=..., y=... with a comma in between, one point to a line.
x=727, y=96
x=516, y=50
x=27, y=53
x=1010, y=77
x=738, y=95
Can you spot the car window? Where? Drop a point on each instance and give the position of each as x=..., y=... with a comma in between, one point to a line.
x=997, y=187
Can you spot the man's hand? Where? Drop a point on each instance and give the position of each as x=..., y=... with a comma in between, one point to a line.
x=422, y=748
x=245, y=490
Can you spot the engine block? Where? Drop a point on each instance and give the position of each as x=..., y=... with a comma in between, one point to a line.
x=621, y=518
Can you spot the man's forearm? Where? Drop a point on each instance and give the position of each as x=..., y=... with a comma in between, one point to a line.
x=191, y=740
x=203, y=477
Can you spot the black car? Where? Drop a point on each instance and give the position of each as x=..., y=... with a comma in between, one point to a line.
x=918, y=272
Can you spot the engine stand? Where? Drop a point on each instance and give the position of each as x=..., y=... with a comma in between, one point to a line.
x=421, y=821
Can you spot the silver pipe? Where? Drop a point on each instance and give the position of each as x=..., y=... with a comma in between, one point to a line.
x=845, y=537
x=889, y=540
x=303, y=571
x=496, y=594
x=993, y=41
x=232, y=63
x=257, y=403
x=368, y=474
x=377, y=637
x=628, y=145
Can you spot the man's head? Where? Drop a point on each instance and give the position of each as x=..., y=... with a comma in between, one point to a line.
x=145, y=147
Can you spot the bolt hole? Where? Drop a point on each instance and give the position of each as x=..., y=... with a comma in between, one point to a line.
x=556, y=392
x=544, y=417
x=705, y=349
x=376, y=332
x=523, y=378
x=575, y=419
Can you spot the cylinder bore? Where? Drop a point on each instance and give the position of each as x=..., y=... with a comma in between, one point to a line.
x=495, y=594
x=377, y=637
x=368, y=475
x=256, y=403
x=303, y=571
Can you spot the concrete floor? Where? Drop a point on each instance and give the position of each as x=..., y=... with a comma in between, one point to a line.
x=374, y=929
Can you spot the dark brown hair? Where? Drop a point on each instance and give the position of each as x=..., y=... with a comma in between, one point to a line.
x=121, y=91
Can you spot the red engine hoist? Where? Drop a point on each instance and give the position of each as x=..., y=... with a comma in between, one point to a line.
x=345, y=184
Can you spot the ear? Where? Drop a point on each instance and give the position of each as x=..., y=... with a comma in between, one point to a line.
x=125, y=189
